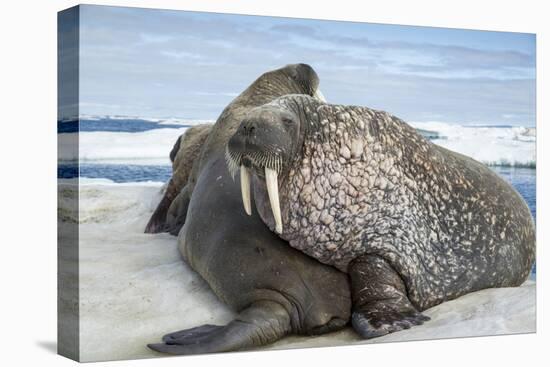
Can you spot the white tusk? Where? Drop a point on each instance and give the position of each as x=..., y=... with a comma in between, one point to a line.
x=319, y=95
x=273, y=192
x=245, y=190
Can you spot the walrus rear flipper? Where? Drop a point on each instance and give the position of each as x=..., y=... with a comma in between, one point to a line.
x=262, y=323
x=380, y=302
x=157, y=222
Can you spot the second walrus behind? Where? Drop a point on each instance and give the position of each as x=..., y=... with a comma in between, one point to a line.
x=168, y=217
x=412, y=223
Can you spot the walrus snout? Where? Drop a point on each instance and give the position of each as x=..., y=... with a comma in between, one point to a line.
x=262, y=142
x=262, y=139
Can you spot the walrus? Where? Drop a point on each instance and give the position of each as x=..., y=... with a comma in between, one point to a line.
x=276, y=289
x=412, y=223
x=183, y=154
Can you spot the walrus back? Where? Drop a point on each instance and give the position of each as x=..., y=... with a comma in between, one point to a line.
x=513, y=224
x=488, y=224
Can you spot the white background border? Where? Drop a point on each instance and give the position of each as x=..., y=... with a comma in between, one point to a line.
x=28, y=165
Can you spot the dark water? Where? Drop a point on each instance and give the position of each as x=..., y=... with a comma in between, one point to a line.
x=117, y=172
x=523, y=179
x=128, y=125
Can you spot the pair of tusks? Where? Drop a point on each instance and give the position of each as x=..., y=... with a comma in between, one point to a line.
x=272, y=192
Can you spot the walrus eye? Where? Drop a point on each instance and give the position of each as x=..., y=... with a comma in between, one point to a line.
x=287, y=121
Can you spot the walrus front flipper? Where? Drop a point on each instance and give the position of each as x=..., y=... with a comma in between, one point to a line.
x=177, y=213
x=262, y=323
x=175, y=149
x=380, y=302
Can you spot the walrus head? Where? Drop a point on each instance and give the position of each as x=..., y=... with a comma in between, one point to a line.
x=289, y=79
x=267, y=143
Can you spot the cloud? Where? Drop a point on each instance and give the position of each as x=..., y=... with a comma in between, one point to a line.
x=181, y=54
x=155, y=38
x=228, y=94
x=446, y=57
x=198, y=62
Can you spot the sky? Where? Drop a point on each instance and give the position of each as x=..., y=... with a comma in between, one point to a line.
x=160, y=63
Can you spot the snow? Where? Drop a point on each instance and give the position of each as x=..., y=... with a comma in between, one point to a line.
x=147, y=147
x=134, y=287
x=504, y=145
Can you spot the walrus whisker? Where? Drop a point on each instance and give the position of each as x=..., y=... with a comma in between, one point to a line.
x=232, y=159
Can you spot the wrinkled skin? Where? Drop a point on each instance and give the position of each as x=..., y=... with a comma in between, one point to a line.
x=276, y=289
x=412, y=223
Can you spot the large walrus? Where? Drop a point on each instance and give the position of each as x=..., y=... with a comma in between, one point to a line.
x=276, y=290
x=412, y=223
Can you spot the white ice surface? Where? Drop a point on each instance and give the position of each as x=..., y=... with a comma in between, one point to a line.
x=147, y=147
x=160, y=120
x=490, y=145
x=134, y=287
x=142, y=148
x=508, y=146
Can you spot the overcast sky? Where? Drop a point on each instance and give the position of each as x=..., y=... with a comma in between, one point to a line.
x=156, y=63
